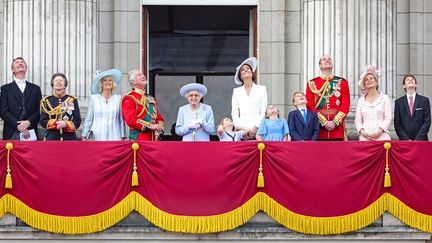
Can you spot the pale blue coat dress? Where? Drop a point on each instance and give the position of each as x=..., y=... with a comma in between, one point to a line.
x=186, y=116
x=104, y=119
x=273, y=130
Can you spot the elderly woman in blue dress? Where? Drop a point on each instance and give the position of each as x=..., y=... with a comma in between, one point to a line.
x=195, y=121
x=104, y=121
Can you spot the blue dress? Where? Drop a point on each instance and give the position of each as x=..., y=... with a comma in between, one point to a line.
x=273, y=130
x=186, y=116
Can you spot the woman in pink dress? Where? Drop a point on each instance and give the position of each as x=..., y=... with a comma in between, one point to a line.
x=374, y=112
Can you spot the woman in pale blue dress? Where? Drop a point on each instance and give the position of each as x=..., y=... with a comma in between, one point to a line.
x=195, y=121
x=104, y=120
x=273, y=128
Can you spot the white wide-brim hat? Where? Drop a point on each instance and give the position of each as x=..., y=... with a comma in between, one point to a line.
x=193, y=87
x=114, y=73
x=251, y=61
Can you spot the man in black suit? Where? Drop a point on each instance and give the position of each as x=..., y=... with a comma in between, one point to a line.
x=19, y=104
x=412, y=113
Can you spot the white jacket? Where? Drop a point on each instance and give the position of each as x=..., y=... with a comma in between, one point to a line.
x=248, y=111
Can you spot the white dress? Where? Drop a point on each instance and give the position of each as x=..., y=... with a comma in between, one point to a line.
x=373, y=116
x=104, y=121
x=248, y=110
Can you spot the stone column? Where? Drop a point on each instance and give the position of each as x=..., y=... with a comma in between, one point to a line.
x=354, y=33
x=52, y=36
x=271, y=50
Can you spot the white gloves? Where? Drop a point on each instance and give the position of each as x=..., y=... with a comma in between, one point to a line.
x=195, y=124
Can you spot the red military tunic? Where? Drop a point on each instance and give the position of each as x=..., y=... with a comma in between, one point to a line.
x=330, y=98
x=139, y=112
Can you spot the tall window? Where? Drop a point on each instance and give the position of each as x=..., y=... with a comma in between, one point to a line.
x=201, y=44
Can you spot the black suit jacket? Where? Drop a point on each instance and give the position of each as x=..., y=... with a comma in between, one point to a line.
x=415, y=127
x=299, y=130
x=11, y=106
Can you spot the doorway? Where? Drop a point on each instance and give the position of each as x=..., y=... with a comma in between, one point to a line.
x=202, y=44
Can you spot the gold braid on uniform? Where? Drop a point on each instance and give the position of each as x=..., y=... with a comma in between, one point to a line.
x=46, y=107
x=322, y=119
x=338, y=118
x=142, y=102
x=324, y=89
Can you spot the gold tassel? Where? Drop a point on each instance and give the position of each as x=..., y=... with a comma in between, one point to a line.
x=260, y=182
x=387, y=179
x=8, y=182
x=135, y=179
x=135, y=182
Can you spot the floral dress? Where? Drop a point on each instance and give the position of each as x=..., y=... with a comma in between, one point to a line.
x=55, y=109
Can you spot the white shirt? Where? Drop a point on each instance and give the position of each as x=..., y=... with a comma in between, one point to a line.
x=248, y=110
x=21, y=84
x=408, y=96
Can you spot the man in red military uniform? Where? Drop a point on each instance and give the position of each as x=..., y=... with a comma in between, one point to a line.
x=329, y=96
x=140, y=110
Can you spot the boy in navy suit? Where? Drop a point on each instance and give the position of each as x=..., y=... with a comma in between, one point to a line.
x=303, y=123
x=412, y=115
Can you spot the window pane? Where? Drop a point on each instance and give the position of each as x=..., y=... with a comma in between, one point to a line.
x=168, y=97
x=197, y=38
x=219, y=95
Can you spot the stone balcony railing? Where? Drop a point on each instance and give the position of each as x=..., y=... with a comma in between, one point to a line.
x=136, y=228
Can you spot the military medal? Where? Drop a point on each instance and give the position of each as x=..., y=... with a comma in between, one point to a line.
x=338, y=102
x=337, y=93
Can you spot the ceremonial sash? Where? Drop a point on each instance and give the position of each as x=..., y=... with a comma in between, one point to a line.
x=327, y=93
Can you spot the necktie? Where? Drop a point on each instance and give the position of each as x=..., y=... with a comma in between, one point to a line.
x=411, y=105
x=304, y=115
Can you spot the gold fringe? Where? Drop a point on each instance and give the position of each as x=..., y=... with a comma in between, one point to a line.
x=199, y=224
x=135, y=182
x=408, y=215
x=68, y=225
x=8, y=182
x=216, y=223
x=260, y=181
x=387, y=179
x=324, y=225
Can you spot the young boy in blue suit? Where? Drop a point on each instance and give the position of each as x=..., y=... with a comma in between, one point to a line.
x=303, y=123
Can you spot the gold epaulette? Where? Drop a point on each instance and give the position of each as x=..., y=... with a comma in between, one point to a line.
x=70, y=99
x=322, y=119
x=338, y=118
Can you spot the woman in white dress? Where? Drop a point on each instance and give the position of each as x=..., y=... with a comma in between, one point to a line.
x=374, y=112
x=104, y=121
x=249, y=102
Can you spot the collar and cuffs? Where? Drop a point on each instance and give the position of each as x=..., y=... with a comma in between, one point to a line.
x=21, y=84
x=413, y=95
